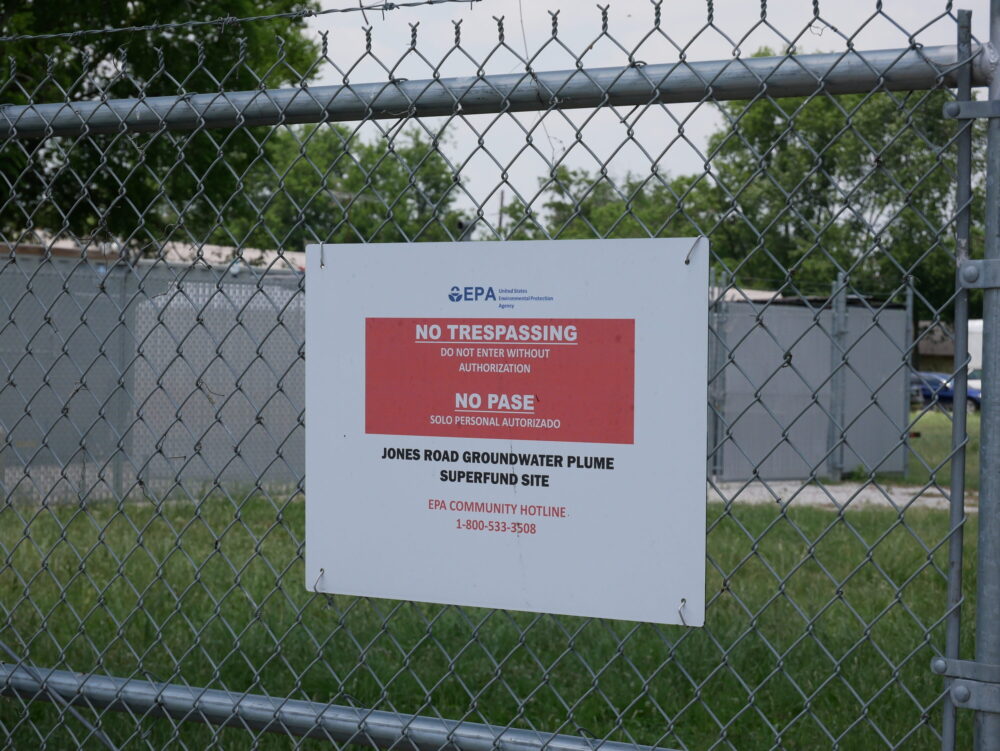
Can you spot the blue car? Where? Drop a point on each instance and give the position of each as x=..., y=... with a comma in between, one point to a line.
x=938, y=387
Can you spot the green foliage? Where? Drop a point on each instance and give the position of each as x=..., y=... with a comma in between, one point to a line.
x=863, y=183
x=263, y=187
x=138, y=188
x=930, y=447
x=797, y=189
x=324, y=184
x=815, y=618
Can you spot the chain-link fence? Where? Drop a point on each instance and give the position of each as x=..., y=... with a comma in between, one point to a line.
x=160, y=184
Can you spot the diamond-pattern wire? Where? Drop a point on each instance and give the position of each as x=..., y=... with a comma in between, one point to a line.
x=153, y=412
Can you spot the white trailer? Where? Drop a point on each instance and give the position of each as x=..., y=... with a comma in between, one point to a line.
x=975, y=353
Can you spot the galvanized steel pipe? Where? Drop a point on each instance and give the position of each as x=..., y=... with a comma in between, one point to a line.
x=959, y=434
x=287, y=716
x=718, y=80
x=987, y=724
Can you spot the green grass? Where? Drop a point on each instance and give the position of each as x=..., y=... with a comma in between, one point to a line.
x=930, y=452
x=808, y=638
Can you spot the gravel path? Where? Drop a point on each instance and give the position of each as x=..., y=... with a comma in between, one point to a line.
x=852, y=495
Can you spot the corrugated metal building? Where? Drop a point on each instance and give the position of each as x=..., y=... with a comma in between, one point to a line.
x=779, y=399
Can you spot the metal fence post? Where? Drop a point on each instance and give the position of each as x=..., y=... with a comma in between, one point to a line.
x=714, y=291
x=959, y=436
x=988, y=571
x=717, y=373
x=838, y=381
x=120, y=405
x=907, y=370
x=712, y=434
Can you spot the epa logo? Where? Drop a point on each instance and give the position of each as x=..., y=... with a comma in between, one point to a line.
x=471, y=294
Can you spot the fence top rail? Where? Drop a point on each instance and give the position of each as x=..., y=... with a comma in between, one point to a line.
x=387, y=730
x=849, y=72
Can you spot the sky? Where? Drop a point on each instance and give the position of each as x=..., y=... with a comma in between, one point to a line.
x=674, y=136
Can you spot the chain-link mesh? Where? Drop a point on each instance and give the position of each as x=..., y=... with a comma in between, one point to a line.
x=152, y=345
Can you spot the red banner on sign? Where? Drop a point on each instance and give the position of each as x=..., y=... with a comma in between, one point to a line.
x=529, y=379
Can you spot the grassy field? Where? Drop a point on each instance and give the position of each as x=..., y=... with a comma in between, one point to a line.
x=810, y=642
x=931, y=451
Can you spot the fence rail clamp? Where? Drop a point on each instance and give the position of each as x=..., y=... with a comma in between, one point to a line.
x=974, y=685
x=972, y=110
x=979, y=273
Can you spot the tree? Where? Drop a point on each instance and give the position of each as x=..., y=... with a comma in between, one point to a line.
x=324, y=184
x=797, y=189
x=863, y=183
x=140, y=189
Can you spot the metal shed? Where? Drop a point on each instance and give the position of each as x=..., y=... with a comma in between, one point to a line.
x=787, y=375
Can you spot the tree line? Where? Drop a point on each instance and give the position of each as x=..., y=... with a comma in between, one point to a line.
x=793, y=189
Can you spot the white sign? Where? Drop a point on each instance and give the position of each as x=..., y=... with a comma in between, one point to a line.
x=516, y=425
